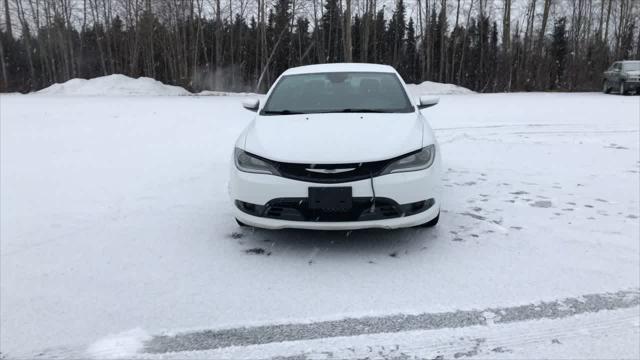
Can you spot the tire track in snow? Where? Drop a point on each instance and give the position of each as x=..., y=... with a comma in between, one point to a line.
x=245, y=336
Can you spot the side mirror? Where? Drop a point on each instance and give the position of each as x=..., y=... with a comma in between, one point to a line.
x=251, y=104
x=427, y=101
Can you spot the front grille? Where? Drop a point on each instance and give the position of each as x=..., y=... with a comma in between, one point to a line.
x=331, y=173
x=360, y=171
x=363, y=209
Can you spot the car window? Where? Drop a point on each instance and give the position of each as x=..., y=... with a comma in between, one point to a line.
x=338, y=92
x=617, y=66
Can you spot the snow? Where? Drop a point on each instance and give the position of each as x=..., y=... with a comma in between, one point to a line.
x=339, y=67
x=436, y=88
x=393, y=138
x=118, y=346
x=226, y=93
x=114, y=85
x=603, y=335
x=122, y=85
x=114, y=216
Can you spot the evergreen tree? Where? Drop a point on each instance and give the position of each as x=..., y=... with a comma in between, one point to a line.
x=626, y=41
x=410, y=66
x=492, y=57
x=281, y=37
x=357, y=42
x=332, y=32
x=302, y=41
x=378, y=45
x=396, y=29
x=434, y=45
x=250, y=47
x=183, y=43
x=559, y=53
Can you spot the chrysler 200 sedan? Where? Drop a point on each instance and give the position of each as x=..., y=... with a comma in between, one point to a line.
x=337, y=147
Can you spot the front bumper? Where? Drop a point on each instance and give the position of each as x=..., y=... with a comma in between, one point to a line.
x=631, y=84
x=401, y=188
x=395, y=223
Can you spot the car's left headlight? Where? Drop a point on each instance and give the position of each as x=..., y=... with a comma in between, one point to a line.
x=416, y=161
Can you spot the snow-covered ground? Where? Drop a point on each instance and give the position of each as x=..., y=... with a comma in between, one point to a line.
x=117, y=236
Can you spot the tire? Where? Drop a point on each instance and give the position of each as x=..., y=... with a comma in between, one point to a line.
x=431, y=223
x=622, y=89
x=606, y=89
x=241, y=224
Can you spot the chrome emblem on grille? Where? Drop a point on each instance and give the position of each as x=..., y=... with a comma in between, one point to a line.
x=330, y=171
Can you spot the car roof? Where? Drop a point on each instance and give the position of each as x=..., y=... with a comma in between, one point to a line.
x=340, y=67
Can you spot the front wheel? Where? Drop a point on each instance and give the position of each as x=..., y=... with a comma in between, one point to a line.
x=605, y=88
x=623, y=91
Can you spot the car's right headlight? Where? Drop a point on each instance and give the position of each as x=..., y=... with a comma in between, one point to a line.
x=252, y=164
x=416, y=161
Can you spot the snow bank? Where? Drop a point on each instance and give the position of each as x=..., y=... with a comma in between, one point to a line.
x=122, y=85
x=114, y=85
x=430, y=87
x=226, y=93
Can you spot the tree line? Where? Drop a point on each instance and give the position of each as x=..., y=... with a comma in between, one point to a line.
x=244, y=45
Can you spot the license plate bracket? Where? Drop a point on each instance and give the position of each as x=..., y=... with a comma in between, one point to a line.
x=330, y=198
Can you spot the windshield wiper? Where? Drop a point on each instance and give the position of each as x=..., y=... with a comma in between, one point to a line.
x=281, y=112
x=362, y=110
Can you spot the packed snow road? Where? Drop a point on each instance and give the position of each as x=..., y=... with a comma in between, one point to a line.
x=117, y=238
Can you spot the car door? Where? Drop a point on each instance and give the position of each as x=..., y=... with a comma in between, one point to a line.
x=607, y=75
x=614, y=73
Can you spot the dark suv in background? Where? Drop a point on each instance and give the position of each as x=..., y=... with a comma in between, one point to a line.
x=622, y=77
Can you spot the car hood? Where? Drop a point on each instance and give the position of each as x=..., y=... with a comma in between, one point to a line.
x=334, y=138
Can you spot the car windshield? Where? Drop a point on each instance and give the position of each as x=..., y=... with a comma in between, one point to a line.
x=631, y=66
x=338, y=92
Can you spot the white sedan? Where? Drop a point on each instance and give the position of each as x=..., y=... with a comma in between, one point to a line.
x=337, y=147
